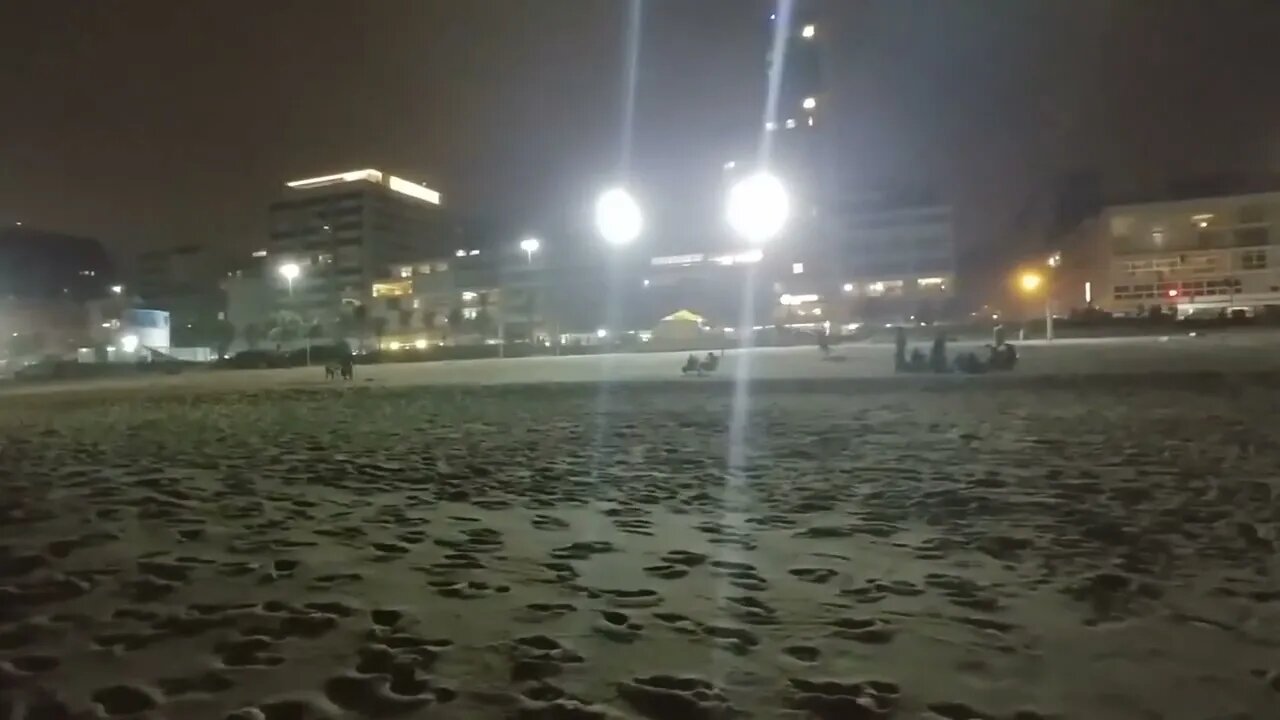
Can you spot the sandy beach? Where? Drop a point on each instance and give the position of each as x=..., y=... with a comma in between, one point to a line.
x=1094, y=549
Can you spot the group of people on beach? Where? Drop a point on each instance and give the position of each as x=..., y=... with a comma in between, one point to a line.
x=1001, y=355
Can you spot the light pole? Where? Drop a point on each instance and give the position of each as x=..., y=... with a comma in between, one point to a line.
x=290, y=272
x=619, y=219
x=530, y=246
x=1031, y=282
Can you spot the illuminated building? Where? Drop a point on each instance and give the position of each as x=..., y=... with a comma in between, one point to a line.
x=1205, y=255
x=343, y=229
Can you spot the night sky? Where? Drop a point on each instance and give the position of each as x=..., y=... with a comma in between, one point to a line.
x=152, y=122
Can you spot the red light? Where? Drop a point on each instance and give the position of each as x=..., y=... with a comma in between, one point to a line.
x=1173, y=293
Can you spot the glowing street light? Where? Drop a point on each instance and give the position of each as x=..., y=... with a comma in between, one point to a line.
x=618, y=217
x=1030, y=281
x=290, y=272
x=117, y=289
x=758, y=207
x=530, y=246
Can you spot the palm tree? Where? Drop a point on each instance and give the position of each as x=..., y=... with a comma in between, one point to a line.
x=286, y=327
x=252, y=335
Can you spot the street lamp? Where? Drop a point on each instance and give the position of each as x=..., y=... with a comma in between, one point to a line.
x=290, y=272
x=618, y=217
x=1031, y=282
x=530, y=246
x=758, y=207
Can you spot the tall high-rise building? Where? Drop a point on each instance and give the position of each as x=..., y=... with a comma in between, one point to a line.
x=341, y=231
x=798, y=92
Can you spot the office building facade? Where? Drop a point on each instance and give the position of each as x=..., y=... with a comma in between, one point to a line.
x=341, y=232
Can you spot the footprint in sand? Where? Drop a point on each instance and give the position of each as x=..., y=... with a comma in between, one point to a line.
x=208, y=683
x=867, y=700
x=549, y=522
x=666, y=571
x=864, y=630
x=818, y=576
x=669, y=697
x=542, y=612
x=467, y=589
x=684, y=557
x=537, y=657
x=802, y=653
x=617, y=626
x=124, y=700
x=736, y=640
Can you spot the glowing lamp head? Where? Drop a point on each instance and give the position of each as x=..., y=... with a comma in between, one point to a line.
x=618, y=217
x=129, y=343
x=758, y=207
x=1030, y=282
x=602, y=333
x=290, y=271
x=530, y=245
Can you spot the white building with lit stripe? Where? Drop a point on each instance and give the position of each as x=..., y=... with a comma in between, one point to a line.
x=343, y=230
x=1196, y=256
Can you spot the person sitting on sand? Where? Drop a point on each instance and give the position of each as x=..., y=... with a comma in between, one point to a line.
x=690, y=365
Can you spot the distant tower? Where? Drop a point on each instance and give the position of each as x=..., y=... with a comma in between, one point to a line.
x=796, y=131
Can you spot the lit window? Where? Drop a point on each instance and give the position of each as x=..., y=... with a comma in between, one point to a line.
x=930, y=281
x=771, y=125
x=1157, y=236
x=406, y=271
x=810, y=103
x=259, y=253
x=797, y=268
x=810, y=121
x=474, y=252
x=1254, y=260
x=461, y=253
x=791, y=123
x=1202, y=220
x=470, y=313
x=809, y=31
x=417, y=303
x=468, y=296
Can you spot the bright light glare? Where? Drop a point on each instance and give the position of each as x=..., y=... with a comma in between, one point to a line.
x=601, y=333
x=394, y=345
x=1030, y=281
x=129, y=343
x=758, y=207
x=420, y=344
x=530, y=245
x=618, y=217
x=809, y=31
x=810, y=103
x=848, y=287
x=290, y=271
x=117, y=289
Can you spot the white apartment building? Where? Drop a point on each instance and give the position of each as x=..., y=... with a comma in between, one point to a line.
x=1190, y=256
